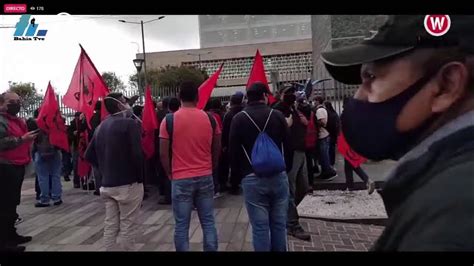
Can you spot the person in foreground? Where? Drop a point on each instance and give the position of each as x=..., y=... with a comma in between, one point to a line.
x=189, y=148
x=416, y=104
x=15, y=142
x=267, y=194
x=116, y=151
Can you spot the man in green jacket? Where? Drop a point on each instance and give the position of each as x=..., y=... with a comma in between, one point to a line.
x=415, y=104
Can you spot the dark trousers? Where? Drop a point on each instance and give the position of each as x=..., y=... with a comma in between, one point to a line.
x=312, y=164
x=348, y=168
x=223, y=170
x=12, y=179
x=97, y=179
x=332, y=150
x=164, y=184
x=75, y=162
x=67, y=166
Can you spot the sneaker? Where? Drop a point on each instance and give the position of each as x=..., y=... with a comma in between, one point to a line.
x=97, y=193
x=327, y=177
x=57, y=203
x=41, y=205
x=218, y=195
x=18, y=220
x=18, y=240
x=66, y=178
x=371, y=187
x=300, y=234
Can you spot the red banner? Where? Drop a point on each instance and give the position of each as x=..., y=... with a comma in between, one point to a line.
x=350, y=155
x=51, y=121
x=149, y=125
x=257, y=74
x=86, y=87
x=206, y=88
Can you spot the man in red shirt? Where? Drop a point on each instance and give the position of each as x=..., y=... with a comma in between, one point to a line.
x=15, y=142
x=195, y=144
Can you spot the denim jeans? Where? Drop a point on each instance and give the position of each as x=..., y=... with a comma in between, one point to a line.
x=46, y=168
x=324, y=159
x=266, y=200
x=185, y=192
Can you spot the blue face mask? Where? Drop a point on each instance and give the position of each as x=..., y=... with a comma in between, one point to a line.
x=370, y=128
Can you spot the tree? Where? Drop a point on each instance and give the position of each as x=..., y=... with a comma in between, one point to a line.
x=170, y=76
x=112, y=81
x=30, y=99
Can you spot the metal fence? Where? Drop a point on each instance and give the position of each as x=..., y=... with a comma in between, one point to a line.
x=331, y=90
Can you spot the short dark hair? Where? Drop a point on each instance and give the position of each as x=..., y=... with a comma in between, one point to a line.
x=165, y=102
x=174, y=104
x=188, y=91
x=111, y=105
x=256, y=92
x=215, y=104
x=319, y=99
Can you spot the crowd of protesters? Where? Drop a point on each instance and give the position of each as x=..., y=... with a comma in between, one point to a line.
x=272, y=151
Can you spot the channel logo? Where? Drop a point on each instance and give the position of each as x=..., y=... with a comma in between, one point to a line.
x=27, y=30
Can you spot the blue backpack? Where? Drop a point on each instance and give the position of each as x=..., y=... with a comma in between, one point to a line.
x=266, y=160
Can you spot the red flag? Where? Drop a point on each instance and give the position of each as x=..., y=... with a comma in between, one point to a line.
x=206, y=88
x=51, y=121
x=257, y=74
x=103, y=111
x=86, y=87
x=350, y=155
x=149, y=125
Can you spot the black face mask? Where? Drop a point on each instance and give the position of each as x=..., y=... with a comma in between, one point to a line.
x=13, y=108
x=370, y=128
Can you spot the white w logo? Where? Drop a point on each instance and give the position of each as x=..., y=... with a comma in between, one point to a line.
x=437, y=23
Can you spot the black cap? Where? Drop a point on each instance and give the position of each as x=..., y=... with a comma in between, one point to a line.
x=400, y=34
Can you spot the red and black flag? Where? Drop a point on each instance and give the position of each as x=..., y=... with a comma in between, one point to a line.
x=51, y=121
x=86, y=87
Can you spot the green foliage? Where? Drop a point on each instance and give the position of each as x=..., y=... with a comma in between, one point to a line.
x=113, y=82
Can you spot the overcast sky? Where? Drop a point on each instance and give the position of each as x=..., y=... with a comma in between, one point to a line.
x=108, y=42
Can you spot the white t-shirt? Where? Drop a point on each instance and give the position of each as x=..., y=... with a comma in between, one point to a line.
x=321, y=113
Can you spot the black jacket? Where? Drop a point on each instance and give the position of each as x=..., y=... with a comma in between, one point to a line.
x=429, y=198
x=243, y=132
x=297, y=129
x=116, y=151
x=226, y=123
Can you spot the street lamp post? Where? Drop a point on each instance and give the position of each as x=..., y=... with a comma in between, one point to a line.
x=199, y=56
x=138, y=65
x=143, y=38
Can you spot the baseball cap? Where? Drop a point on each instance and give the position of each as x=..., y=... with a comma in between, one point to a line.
x=237, y=97
x=400, y=34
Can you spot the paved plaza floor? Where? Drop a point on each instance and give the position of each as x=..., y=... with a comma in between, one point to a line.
x=77, y=225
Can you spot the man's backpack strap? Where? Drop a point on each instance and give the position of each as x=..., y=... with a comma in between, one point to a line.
x=213, y=123
x=169, y=128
